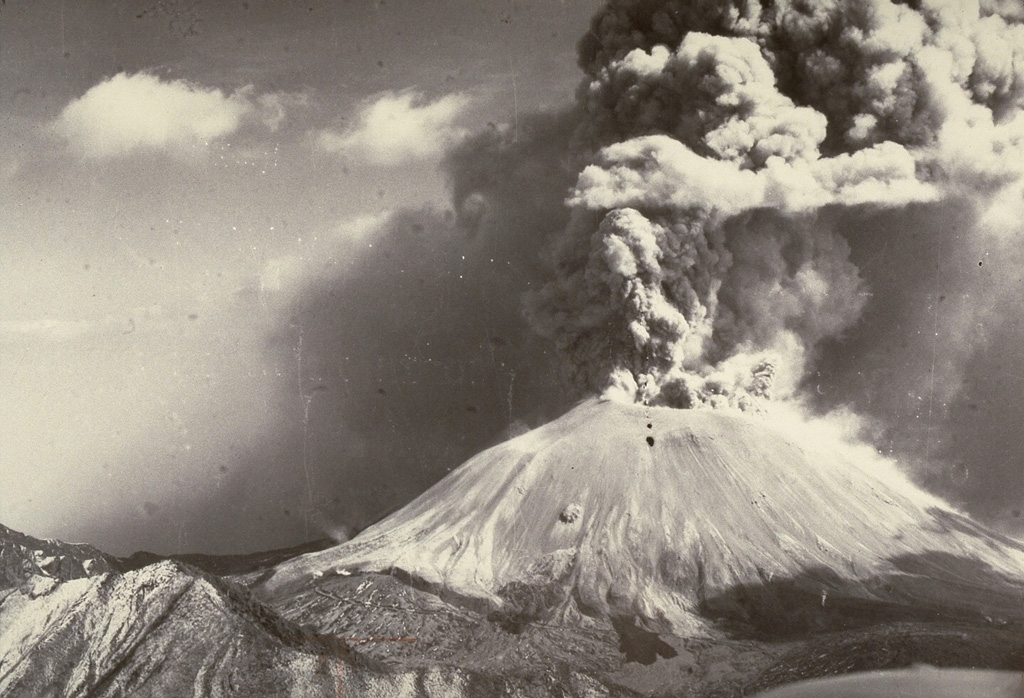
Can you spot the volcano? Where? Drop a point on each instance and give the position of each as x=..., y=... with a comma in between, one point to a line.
x=675, y=520
x=618, y=551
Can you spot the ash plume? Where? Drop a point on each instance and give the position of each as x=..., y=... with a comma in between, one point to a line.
x=720, y=143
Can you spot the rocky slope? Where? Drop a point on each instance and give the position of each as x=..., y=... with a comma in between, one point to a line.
x=170, y=630
x=162, y=630
x=23, y=557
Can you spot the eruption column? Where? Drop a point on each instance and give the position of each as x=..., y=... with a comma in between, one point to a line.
x=700, y=266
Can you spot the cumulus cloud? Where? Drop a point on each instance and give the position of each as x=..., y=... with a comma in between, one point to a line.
x=142, y=112
x=273, y=108
x=395, y=128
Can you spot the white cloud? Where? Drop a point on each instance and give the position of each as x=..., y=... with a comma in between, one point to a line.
x=273, y=107
x=126, y=113
x=659, y=171
x=336, y=248
x=51, y=330
x=399, y=127
x=46, y=329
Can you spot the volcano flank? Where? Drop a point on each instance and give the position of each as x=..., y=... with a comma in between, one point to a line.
x=676, y=520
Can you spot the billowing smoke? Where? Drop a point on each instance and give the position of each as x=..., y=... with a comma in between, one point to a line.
x=721, y=145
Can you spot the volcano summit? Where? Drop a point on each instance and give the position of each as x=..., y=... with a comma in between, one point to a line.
x=673, y=518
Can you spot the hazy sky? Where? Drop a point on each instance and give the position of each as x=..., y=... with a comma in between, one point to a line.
x=245, y=299
x=174, y=175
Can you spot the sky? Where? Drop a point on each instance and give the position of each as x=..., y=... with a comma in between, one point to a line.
x=175, y=176
x=263, y=264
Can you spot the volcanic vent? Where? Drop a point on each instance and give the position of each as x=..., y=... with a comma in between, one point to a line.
x=618, y=510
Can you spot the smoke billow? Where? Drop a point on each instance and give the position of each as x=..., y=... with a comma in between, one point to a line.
x=719, y=146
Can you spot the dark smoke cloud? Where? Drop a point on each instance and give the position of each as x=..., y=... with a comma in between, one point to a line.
x=934, y=360
x=821, y=200
x=414, y=352
x=721, y=141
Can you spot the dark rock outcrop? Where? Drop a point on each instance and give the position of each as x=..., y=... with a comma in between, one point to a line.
x=23, y=557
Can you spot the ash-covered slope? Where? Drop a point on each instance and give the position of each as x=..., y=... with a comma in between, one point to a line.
x=161, y=630
x=170, y=630
x=673, y=517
